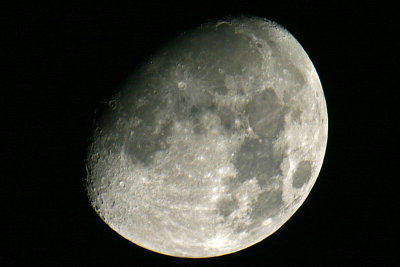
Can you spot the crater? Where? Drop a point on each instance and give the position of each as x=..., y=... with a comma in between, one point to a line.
x=302, y=174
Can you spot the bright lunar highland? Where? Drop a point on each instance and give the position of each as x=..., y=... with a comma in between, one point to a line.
x=213, y=144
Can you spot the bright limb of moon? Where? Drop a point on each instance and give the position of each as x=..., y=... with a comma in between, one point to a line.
x=214, y=144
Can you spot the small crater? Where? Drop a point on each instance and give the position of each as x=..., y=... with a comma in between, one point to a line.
x=259, y=45
x=302, y=174
x=182, y=85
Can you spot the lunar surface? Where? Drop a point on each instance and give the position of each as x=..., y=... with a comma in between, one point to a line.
x=213, y=144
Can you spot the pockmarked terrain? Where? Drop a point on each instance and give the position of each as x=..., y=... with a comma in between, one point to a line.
x=214, y=144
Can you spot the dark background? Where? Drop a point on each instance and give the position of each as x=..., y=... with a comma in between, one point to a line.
x=64, y=59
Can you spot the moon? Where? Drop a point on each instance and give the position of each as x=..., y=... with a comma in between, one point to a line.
x=213, y=144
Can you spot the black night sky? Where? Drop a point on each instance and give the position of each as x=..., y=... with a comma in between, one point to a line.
x=62, y=60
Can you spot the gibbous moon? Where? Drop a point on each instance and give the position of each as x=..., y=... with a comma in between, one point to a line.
x=213, y=144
